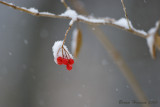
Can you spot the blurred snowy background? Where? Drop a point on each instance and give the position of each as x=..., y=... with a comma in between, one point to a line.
x=29, y=76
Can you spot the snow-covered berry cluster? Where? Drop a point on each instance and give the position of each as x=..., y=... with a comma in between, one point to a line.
x=62, y=56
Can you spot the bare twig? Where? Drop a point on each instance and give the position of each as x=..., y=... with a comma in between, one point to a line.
x=124, y=8
x=80, y=18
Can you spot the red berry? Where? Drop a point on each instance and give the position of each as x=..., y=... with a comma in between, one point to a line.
x=65, y=61
x=71, y=61
x=69, y=67
x=59, y=60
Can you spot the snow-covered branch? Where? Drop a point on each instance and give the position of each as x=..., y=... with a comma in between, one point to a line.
x=122, y=23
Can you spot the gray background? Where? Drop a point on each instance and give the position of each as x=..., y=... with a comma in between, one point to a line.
x=30, y=78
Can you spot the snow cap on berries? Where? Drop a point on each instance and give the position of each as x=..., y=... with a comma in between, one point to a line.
x=57, y=51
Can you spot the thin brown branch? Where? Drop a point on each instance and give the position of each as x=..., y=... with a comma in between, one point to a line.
x=124, y=9
x=80, y=18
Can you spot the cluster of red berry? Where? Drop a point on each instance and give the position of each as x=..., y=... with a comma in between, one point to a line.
x=67, y=62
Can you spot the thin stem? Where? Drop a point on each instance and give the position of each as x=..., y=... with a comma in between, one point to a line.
x=124, y=8
x=67, y=33
x=67, y=54
x=66, y=36
x=65, y=4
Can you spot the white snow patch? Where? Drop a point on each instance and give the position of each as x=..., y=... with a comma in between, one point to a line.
x=24, y=8
x=70, y=13
x=150, y=43
x=11, y=4
x=73, y=15
x=33, y=10
x=57, y=50
x=91, y=19
x=139, y=31
x=46, y=13
x=123, y=23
